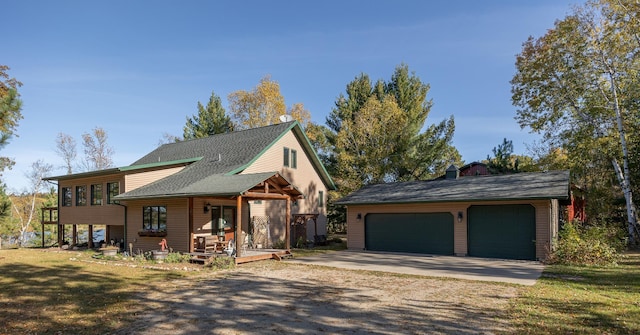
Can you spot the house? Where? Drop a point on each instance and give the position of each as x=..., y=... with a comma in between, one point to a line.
x=501, y=216
x=474, y=169
x=227, y=185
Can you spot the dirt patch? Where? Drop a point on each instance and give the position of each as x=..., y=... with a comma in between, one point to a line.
x=278, y=298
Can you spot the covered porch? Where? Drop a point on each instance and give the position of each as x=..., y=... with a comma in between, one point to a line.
x=230, y=231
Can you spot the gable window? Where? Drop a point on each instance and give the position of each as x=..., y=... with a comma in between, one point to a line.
x=66, y=196
x=320, y=198
x=294, y=159
x=154, y=218
x=286, y=157
x=290, y=157
x=81, y=195
x=113, y=189
x=96, y=194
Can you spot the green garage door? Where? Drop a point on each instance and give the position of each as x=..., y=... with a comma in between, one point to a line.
x=428, y=233
x=502, y=231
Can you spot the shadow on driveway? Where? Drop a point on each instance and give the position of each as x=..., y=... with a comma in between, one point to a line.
x=470, y=268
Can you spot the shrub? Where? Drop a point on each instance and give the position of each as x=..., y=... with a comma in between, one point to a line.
x=176, y=257
x=301, y=243
x=220, y=263
x=279, y=244
x=598, y=244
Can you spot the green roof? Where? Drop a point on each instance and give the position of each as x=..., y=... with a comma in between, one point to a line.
x=109, y=171
x=211, y=162
x=181, y=185
x=221, y=159
x=519, y=186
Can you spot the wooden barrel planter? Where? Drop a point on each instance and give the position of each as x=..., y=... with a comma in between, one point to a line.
x=159, y=254
x=109, y=251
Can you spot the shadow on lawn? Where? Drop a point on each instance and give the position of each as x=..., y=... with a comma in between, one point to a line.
x=57, y=300
x=247, y=303
x=599, y=300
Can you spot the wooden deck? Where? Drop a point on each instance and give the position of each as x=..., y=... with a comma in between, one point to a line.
x=249, y=255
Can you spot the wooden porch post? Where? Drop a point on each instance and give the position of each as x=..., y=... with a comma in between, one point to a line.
x=90, y=236
x=60, y=235
x=43, y=227
x=191, y=224
x=287, y=222
x=239, y=237
x=74, y=235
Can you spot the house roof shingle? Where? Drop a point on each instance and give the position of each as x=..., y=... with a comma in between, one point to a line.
x=519, y=186
x=223, y=156
x=181, y=185
x=212, y=163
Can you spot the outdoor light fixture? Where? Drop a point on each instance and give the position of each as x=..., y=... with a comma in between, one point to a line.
x=359, y=216
x=459, y=216
x=207, y=207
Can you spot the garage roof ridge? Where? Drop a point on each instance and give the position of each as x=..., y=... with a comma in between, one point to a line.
x=529, y=185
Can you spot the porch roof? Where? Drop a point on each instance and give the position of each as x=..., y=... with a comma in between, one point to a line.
x=182, y=184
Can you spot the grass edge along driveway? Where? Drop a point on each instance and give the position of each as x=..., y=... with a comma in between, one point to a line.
x=581, y=300
x=48, y=292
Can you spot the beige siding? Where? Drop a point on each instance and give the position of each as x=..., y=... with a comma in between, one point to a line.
x=257, y=208
x=202, y=224
x=543, y=210
x=105, y=214
x=305, y=177
x=544, y=225
x=555, y=222
x=178, y=236
x=135, y=180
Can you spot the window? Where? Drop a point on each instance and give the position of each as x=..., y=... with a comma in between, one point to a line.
x=66, y=196
x=320, y=198
x=290, y=158
x=286, y=157
x=81, y=195
x=96, y=194
x=294, y=159
x=154, y=218
x=113, y=189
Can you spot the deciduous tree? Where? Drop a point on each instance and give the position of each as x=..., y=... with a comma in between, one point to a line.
x=578, y=84
x=259, y=107
x=10, y=112
x=25, y=207
x=66, y=149
x=98, y=153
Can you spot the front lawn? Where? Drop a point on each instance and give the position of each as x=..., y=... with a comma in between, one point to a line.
x=68, y=292
x=582, y=300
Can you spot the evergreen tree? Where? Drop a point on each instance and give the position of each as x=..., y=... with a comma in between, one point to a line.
x=402, y=151
x=210, y=120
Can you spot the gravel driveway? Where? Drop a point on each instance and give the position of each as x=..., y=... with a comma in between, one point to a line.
x=272, y=297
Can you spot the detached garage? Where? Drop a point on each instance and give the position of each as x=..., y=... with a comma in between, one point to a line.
x=509, y=216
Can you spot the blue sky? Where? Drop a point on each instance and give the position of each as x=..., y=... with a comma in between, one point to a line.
x=138, y=68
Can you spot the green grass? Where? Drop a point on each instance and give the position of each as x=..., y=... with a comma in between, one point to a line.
x=68, y=292
x=581, y=300
x=332, y=245
x=49, y=292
